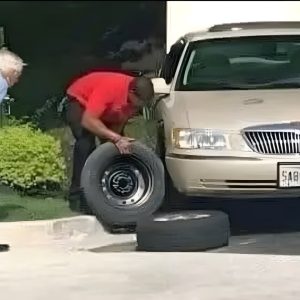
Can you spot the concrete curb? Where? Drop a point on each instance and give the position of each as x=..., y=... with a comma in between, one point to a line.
x=35, y=232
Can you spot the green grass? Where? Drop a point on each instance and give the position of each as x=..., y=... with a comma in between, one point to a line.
x=13, y=207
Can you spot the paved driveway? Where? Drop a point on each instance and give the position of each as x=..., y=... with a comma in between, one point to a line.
x=49, y=273
x=94, y=265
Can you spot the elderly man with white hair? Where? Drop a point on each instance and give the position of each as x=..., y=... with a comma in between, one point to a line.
x=11, y=67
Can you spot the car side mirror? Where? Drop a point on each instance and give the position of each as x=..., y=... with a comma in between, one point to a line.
x=160, y=86
x=161, y=91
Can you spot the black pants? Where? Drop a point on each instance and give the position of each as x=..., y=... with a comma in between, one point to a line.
x=84, y=145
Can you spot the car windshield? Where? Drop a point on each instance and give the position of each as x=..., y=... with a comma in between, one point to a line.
x=260, y=62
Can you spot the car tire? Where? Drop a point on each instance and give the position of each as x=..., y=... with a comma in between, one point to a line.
x=183, y=231
x=119, y=189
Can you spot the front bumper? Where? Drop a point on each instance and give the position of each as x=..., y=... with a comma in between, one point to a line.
x=242, y=177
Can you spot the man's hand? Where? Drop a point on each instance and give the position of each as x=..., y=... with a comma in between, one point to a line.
x=124, y=144
x=96, y=126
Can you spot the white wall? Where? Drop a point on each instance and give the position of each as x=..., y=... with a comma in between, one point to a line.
x=187, y=16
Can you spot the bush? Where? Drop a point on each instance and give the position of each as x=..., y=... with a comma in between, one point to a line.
x=30, y=159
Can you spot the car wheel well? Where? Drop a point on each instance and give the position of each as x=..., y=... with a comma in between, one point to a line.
x=160, y=144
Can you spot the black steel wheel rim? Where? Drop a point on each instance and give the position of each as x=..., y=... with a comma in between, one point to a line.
x=127, y=182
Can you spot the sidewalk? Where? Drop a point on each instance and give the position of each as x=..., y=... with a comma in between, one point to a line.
x=80, y=232
x=50, y=260
x=46, y=274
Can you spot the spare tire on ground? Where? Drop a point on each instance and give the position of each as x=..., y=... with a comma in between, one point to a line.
x=120, y=189
x=183, y=231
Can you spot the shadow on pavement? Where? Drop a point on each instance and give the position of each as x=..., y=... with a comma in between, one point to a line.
x=270, y=227
x=268, y=244
x=256, y=216
x=114, y=248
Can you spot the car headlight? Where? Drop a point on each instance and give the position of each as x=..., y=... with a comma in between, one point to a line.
x=208, y=139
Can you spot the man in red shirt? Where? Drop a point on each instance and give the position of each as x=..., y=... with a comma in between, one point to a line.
x=99, y=105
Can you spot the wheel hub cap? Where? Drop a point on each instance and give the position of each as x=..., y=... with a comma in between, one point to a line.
x=126, y=184
x=122, y=183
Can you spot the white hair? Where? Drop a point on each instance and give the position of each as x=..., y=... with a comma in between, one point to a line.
x=10, y=60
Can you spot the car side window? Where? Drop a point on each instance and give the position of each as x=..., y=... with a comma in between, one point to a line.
x=171, y=61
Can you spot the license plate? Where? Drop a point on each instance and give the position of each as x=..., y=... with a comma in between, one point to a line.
x=289, y=175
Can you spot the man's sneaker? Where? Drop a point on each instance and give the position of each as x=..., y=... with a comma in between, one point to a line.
x=77, y=203
x=74, y=201
x=83, y=206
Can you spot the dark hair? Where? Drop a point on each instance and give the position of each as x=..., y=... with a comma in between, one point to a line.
x=143, y=88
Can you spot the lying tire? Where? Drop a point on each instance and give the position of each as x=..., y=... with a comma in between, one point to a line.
x=122, y=188
x=183, y=231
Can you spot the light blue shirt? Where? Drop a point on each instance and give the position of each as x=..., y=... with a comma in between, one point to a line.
x=3, y=88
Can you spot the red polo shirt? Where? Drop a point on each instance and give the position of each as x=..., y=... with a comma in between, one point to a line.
x=104, y=95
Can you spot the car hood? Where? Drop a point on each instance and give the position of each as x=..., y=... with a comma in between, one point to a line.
x=235, y=110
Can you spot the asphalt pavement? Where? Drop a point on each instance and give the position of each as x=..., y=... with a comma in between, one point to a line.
x=84, y=262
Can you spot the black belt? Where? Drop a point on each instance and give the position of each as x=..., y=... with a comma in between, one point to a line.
x=64, y=101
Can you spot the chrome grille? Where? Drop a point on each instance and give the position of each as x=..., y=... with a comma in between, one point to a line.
x=273, y=141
